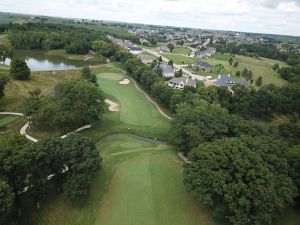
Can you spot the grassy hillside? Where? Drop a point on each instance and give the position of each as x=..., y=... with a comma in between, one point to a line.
x=181, y=50
x=259, y=66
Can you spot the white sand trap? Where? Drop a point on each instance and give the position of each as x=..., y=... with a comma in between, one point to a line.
x=125, y=81
x=113, y=107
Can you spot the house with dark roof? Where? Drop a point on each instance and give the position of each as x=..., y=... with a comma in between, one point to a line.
x=145, y=58
x=167, y=70
x=181, y=82
x=228, y=81
x=204, y=66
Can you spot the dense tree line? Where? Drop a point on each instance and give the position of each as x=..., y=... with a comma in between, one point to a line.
x=52, y=36
x=71, y=105
x=291, y=73
x=244, y=180
x=267, y=50
x=70, y=162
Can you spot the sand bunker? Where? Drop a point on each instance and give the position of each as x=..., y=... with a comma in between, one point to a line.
x=113, y=107
x=124, y=81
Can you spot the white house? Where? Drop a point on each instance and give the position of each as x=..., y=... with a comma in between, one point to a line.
x=181, y=82
x=167, y=70
x=135, y=50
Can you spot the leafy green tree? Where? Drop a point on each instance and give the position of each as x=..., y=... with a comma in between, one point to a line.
x=82, y=161
x=19, y=69
x=87, y=74
x=77, y=103
x=76, y=188
x=170, y=63
x=290, y=131
x=14, y=162
x=276, y=66
x=230, y=61
x=3, y=82
x=201, y=121
x=7, y=198
x=178, y=73
x=78, y=46
x=160, y=59
x=32, y=103
x=293, y=157
x=103, y=48
x=243, y=180
x=5, y=53
x=170, y=46
x=236, y=64
x=238, y=73
x=258, y=82
x=245, y=72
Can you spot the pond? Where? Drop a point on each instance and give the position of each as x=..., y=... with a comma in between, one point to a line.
x=38, y=60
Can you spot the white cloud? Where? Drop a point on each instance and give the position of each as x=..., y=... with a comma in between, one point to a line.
x=289, y=7
x=264, y=16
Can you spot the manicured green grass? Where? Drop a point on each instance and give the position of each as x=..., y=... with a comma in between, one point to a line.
x=180, y=59
x=181, y=50
x=136, y=112
x=258, y=66
x=147, y=189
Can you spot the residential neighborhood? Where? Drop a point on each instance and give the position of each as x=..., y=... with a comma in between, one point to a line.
x=181, y=82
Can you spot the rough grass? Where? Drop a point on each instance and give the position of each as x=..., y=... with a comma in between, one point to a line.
x=258, y=66
x=79, y=57
x=16, y=91
x=180, y=59
x=181, y=50
x=6, y=120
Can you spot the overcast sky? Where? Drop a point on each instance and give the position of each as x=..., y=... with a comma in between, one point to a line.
x=262, y=16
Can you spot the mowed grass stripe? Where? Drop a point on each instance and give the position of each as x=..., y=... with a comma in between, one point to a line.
x=148, y=190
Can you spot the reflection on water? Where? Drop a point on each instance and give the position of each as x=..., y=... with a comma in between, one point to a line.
x=39, y=61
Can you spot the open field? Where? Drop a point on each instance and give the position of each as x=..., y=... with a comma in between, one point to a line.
x=181, y=50
x=259, y=66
